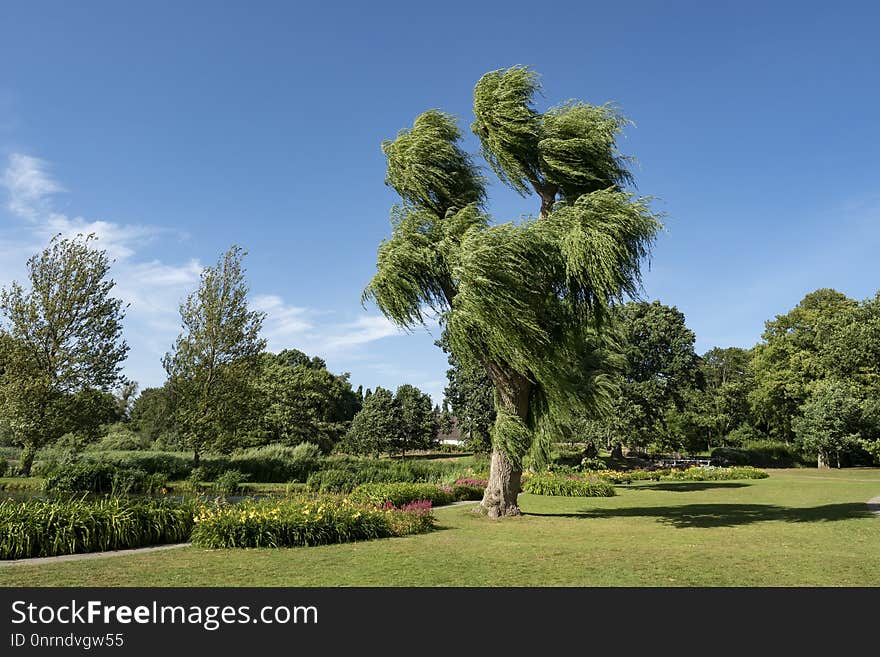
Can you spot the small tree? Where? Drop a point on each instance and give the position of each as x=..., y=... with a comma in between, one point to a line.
x=378, y=426
x=469, y=396
x=212, y=364
x=419, y=423
x=830, y=421
x=61, y=346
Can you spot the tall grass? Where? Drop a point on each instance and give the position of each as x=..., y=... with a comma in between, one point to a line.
x=301, y=521
x=46, y=528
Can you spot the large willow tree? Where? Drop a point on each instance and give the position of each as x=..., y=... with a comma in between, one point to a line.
x=526, y=300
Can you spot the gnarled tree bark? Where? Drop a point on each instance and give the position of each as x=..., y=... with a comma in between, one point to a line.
x=512, y=394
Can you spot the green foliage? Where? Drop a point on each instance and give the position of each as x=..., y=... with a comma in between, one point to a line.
x=151, y=413
x=332, y=480
x=302, y=401
x=377, y=427
x=550, y=483
x=229, y=482
x=4, y=467
x=89, y=477
x=299, y=521
x=400, y=493
x=523, y=300
x=419, y=424
x=789, y=361
x=45, y=528
x=213, y=362
x=119, y=436
x=61, y=347
x=661, y=370
x=343, y=475
x=470, y=396
x=762, y=454
x=710, y=473
x=427, y=168
x=830, y=421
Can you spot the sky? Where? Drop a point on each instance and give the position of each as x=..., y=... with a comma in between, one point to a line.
x=175, y=130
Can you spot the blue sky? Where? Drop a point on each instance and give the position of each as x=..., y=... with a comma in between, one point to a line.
x=174, y=130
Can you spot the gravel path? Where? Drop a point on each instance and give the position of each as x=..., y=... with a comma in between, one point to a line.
x=36, y=561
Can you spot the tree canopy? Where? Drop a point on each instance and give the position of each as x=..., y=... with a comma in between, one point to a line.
x=525, y=300
x=61, y=345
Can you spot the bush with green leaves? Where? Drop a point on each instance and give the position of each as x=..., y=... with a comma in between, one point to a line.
x=89, y=477
x=4, y=466
x=762, y=454
x=278, y=463
x=229, y=483
x=712, y=473
x=46, y=528
x=400, y=493
x=467, y=492
x=301, y=521
x=567, y=485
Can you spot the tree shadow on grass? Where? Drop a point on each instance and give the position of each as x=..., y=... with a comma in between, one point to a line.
x=686, y=486
x=726, y=515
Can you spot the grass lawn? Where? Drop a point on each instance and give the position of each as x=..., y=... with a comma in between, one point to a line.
x=797, y=528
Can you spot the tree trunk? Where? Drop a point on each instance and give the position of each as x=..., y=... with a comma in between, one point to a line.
x=617, y=451
x=196, y=457
x=27, y=459
x=499, y=500
x=822, y=460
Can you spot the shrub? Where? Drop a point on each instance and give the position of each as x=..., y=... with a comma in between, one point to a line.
x=4, y=466
x=88, y=477
x=119, y=437
x=548, y=483
x=761, y=454
x=331, y=481
x=278, y=463
x=301, y=521
x=43, y=528
x=400, y=493
x=229, y=482
x=714, y=474
x=466, y=493
x=471, y=481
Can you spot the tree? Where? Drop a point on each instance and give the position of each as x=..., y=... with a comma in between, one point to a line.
x=419, y=423
x=377, y=427
x=660, y=371
x=524, y=300
x=61, y=346
x=469, y=397
x=723, y=405
x=830, y=421
x=789, y=361
x=151, y=413
x=212, y=364
x=303, y=401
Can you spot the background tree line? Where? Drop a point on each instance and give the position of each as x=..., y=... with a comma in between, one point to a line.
x=812, y=385
x=61, y=381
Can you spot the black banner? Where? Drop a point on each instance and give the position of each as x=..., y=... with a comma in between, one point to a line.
x=240, y=621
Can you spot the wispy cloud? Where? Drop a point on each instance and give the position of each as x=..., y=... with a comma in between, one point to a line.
x=153, y=289
x=29, y=185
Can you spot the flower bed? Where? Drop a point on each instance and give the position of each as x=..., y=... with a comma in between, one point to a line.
x=567, y=485
x=301, y=521
x=46, y=528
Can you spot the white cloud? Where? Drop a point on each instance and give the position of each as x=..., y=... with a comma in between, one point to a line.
x=29, y=186
x=154, y=289
x=362, y=331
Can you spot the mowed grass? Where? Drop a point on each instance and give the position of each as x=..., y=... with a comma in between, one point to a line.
x=797, y=528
